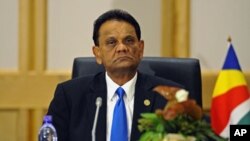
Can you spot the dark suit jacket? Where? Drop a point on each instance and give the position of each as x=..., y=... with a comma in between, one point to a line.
x=73, y=106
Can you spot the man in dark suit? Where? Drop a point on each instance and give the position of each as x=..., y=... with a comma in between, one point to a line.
x=119, y=48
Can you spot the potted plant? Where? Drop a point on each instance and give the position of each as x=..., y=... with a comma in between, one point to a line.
x=180, y=120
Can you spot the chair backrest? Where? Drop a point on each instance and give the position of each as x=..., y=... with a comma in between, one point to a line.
x=185, y=71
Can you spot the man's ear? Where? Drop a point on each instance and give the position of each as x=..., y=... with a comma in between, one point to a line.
x=96, y=51
x=141, y=48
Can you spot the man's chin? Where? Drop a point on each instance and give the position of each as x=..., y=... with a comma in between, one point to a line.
x=126, y=67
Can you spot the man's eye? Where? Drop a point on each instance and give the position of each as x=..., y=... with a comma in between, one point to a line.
x=111, y=42
x=129, y=41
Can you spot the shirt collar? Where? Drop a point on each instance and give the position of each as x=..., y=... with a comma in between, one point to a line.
x=129, y=87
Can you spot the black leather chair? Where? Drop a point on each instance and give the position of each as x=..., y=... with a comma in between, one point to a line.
x=185, y=71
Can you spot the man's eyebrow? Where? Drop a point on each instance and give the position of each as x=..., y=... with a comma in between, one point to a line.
x=110, y=37
x=130, y=36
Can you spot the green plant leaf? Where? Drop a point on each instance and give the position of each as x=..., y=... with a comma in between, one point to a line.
x=154, y=127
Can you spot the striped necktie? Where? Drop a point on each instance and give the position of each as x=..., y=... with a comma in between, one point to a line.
x=119, y=130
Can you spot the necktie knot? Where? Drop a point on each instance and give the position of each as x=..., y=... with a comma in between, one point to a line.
x=120, y=92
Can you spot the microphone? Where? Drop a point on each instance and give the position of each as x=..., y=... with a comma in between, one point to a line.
x=98, y=103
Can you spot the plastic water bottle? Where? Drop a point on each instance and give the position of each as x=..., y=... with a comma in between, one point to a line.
x=47, y=132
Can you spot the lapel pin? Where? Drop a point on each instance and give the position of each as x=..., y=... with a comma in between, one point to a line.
x=146, y=102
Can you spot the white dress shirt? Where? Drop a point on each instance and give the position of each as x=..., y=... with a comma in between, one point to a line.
x=112, y=98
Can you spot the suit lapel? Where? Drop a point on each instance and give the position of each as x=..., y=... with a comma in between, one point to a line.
x=99, y=89
x=143, y=103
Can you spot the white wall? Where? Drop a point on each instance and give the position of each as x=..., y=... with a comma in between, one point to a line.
x=70, y=25
x=212, y=21
x=9, y=34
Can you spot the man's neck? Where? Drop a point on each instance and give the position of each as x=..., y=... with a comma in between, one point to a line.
x=121, y=78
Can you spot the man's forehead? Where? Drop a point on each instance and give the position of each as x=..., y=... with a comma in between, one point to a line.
x=113, y=27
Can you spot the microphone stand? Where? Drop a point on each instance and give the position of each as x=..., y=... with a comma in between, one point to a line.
x=98, y=103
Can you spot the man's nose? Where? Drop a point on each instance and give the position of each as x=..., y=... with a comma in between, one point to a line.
x=122, y=47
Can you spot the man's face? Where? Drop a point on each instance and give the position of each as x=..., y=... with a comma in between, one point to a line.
x=119, y=48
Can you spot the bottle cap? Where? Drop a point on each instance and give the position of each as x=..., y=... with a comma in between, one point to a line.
x=47, y=119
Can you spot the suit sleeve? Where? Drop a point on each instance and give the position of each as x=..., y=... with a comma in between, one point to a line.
x=59, y=109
